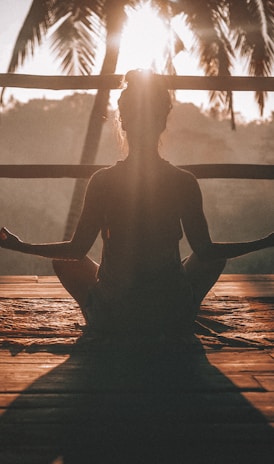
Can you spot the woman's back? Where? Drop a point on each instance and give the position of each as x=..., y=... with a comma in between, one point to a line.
x=142, y=228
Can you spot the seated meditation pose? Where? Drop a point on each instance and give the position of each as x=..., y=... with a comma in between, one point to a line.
x=142, y=205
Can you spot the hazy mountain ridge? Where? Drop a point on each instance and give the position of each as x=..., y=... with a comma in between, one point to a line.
x=48, y=132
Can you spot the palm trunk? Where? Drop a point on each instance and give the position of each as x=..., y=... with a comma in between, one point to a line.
x=95, y=127
x=115, y=22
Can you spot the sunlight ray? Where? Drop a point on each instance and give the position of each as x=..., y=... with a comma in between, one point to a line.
x=145, y=40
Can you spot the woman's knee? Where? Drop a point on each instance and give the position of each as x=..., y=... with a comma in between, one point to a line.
x=83, y=271
x=59, y=266
x=213, y=268
x=56, y=264
x=193, y=264
x=219, y=265
x=63, y=268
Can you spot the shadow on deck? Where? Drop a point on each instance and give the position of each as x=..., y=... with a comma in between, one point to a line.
x=139, y=404
x=148, y=406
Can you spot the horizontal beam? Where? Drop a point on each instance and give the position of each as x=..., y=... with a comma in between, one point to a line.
x=201, y=171
x=113, y=81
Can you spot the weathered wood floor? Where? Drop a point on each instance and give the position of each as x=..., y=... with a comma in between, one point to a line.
x=82, y=402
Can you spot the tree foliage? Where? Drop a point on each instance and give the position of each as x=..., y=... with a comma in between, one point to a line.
x=222, y=28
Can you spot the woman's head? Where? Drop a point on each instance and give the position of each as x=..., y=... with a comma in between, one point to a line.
x=145, y=103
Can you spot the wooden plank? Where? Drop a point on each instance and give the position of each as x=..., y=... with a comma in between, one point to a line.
x=206, y=433
x=225, y=406
x=260, y=399
x=66, y=399
x=234, y=278
x=244, y=287
x=246, y=277
x=201, y=171
x=242, y=382
x=18, y=279
x=19, y=290
x=110, y=450
x=240, y=356
x=243, y=291
x=29, y=81
x=267, y=381
x=25, y=293
x=49, y=286
x=72, y=375
x=244, y=367
x=59, y=383
x=248, y=284
x=44, y=279
x=113, y=81
x=240, y=364
x=29, y=359
x=206, y=412
x=43, y=291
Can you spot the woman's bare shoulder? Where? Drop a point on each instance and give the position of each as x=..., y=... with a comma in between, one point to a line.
x=101, y=175
x=183, y=176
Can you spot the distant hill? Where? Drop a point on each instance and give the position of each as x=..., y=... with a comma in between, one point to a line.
x=43, y=131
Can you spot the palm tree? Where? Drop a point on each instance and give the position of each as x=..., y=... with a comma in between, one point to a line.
x=222, y=28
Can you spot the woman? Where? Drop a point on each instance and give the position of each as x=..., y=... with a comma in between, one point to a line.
x=140, y=206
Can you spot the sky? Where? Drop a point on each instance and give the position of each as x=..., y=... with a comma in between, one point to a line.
x=13, y=12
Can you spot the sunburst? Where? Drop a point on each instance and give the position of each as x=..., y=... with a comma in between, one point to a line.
x=145, y=41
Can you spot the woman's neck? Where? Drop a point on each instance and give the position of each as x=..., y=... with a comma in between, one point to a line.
x=143, y=149
x=143, y=154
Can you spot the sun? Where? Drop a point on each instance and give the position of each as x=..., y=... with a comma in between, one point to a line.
x=148, y=39
x=145, y=41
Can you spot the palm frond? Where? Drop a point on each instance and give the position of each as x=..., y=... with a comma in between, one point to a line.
x=75, y=40
x=208, y=22
x=45, y=13
x=35, y=26
x=83, y=8
x=73, y=43
x=174, y=7
x=201, y=20
x=175, y=43
x=254, y=35
x=238, y=17
x=262, y=50
x=225, y=56
x=166, y=8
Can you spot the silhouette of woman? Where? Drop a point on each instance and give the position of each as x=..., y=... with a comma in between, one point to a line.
x=141, y=206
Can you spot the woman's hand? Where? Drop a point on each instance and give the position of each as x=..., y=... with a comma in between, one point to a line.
x=8, y=240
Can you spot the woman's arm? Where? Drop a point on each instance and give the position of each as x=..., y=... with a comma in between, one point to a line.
x=85, y=234
x=197, y=233
x=233, y=250
x=59, y=250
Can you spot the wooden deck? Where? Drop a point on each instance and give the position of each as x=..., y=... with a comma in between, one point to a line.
x=64, y=399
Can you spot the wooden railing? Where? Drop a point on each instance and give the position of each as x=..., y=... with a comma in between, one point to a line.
x=201, y=171
x=113, y=81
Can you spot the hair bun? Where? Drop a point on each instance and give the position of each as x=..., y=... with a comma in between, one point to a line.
x=139, y=77
x=145, y=93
